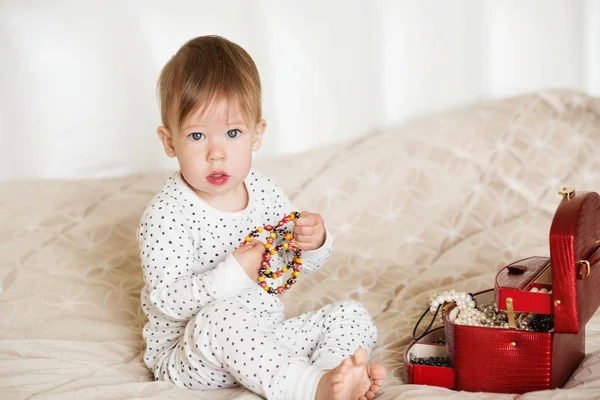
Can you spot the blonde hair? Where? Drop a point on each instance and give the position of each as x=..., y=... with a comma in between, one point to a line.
x=204, y=69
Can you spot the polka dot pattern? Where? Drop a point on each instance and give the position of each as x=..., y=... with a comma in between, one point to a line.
x=209, y=326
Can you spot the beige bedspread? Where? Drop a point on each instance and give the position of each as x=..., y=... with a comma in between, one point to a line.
x=440, y=203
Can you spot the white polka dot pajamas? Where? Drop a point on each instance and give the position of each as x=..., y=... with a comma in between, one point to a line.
x=209, y=325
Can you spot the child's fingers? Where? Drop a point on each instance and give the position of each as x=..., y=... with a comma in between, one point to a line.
x=302, y=238
x=254, y=243
x=303, y=230
x=306, y=219
x=303, y=245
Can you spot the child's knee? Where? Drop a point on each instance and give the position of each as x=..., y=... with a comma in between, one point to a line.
x=219, y=317
x=352, y=308
x=216, y=307
x=214, y=311
x=355, y=311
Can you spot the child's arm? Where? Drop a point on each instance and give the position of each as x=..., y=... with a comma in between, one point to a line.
x=168, y=246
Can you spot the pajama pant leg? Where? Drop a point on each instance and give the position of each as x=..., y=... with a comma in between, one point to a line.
x=228, y=344
x=331, y=334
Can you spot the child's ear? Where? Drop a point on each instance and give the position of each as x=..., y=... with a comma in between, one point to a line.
x=258, y=134
x=167, y=140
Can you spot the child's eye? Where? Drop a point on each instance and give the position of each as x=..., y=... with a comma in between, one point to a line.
x=196, y=136
x=233, y=133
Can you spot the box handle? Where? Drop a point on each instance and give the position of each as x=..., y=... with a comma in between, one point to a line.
x=516, y=269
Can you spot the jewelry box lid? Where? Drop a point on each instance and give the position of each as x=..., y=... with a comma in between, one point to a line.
x=575, y=257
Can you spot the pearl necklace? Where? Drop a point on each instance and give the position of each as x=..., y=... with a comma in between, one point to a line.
x=467, y=311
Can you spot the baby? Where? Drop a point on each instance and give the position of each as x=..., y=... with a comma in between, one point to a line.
x=210, y=325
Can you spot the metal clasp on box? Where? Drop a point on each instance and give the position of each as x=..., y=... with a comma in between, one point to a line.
x=584, y=264
x=567, y=192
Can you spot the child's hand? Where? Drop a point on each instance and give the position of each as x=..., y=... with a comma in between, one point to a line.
x=309, y=231
x=250, y=257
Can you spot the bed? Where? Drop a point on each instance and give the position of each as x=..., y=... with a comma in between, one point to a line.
x=439, y=203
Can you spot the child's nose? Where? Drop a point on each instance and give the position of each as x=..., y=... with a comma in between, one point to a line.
x=216, y=152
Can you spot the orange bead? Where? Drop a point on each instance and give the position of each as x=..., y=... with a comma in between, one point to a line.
x=288, y=236
x=248, y=238
x=298, y=260
x=295, y=274
x=285, y=245
x=267, y=245
x=260, y=229
x=273, y=251
x=293, y=215
x=267, y=272
x=266, y=288
x=273, y=235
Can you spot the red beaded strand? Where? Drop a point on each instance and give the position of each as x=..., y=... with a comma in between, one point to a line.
x=289, y=244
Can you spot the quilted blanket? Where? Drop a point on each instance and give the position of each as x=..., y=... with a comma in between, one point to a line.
x=439, y=203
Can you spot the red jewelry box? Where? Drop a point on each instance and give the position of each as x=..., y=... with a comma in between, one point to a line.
x=518, y=361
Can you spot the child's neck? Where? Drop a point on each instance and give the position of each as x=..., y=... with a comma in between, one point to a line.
x=234, y=201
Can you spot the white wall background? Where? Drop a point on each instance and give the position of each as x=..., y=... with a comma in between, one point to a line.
x=77, y=88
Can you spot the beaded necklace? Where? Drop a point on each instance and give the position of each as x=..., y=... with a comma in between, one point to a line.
x=288, y=243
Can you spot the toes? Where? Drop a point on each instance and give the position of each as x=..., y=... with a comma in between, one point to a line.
x=359, y=357
x=347, y=363
x=376, y=371
x=370, y=395
x=377, y=382
x=374, y=388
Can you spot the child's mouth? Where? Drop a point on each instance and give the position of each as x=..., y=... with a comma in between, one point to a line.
x=218, y=178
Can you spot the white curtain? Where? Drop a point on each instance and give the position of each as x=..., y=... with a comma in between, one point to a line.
x=77, y=88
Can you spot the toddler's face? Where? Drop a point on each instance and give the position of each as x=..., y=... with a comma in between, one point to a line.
x=214, y=149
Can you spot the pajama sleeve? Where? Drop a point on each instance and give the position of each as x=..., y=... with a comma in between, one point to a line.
x=168, y=254
x=311, y=259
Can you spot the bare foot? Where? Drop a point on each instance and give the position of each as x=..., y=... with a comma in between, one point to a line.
x=353, y=379
x=376, y=373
